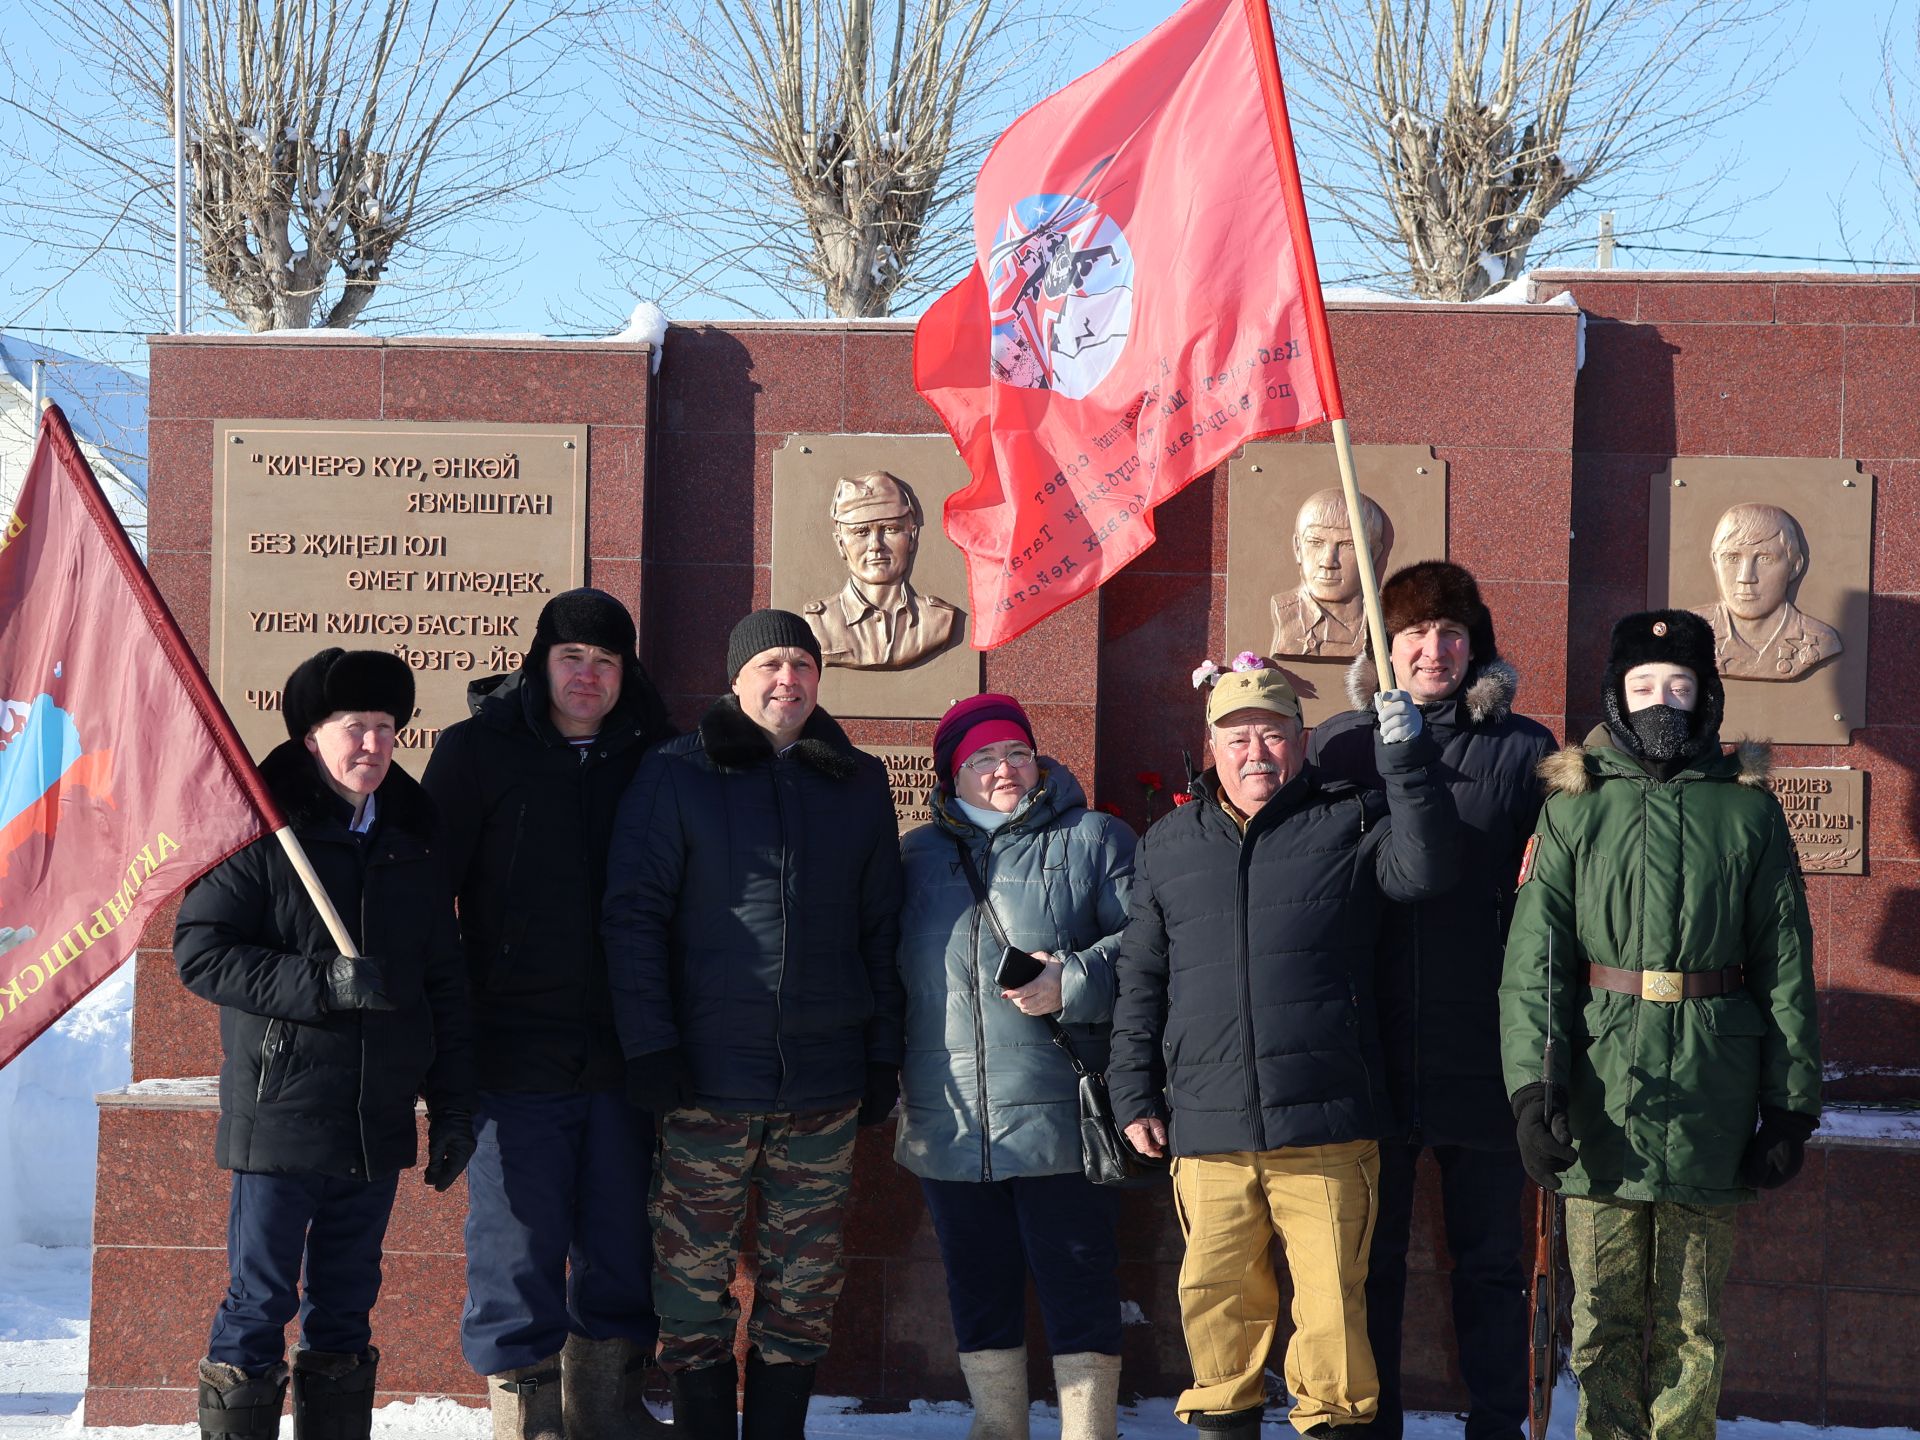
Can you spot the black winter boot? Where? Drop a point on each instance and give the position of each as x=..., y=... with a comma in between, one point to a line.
x=236, y=1404
x=705, y=1402
x=1234, y=1425
x=333, y=1394
x=776, y=1401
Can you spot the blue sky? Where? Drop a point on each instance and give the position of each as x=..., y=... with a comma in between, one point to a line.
x=1799, y=155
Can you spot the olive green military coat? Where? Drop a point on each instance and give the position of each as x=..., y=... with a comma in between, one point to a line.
x=1694, y=873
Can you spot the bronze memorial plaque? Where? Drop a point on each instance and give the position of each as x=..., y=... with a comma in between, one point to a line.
x=1292, y=589
x=1827, y=812
x=910, y=777
x=438, y=542
x=858, y=549
x=1776, y=554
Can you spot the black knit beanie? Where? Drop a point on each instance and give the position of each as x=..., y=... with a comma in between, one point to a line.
x=768, y=630
x=581, y=617
x=336, y=680
x=1671, y=637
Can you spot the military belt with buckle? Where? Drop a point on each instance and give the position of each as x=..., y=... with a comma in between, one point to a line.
x=1667, y=986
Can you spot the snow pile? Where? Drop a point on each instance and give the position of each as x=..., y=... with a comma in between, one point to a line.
x=49, y=1126
x=648, y=326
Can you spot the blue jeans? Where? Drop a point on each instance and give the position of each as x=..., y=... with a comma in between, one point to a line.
x=557, y=1237
x=1059, y=1229
x=274, y=1224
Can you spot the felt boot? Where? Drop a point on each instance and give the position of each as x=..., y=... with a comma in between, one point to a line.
x=1089, y=1386
x=997, y=1385
x=601, y=1385
x=526, y=1402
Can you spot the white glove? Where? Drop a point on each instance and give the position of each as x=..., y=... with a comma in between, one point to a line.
x=1399, y=716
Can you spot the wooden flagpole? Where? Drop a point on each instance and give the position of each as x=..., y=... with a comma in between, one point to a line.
x=1266, y=61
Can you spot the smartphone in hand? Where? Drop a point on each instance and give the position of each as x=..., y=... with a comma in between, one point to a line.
x=1017, y=968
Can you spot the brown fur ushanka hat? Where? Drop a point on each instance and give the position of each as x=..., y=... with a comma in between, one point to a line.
x=1439, y=590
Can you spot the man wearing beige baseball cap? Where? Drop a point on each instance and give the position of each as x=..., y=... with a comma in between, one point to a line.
x=878, y=621
x=1245, y=1041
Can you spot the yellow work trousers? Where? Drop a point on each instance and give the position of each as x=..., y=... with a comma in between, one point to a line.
x=1320, y=1200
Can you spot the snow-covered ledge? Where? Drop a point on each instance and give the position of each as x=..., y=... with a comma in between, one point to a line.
x=193, y=1092
x=1868, y=1127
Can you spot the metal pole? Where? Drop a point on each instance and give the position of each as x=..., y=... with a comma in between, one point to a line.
x=1604, y=260
x=39, y=394
x=179, y=167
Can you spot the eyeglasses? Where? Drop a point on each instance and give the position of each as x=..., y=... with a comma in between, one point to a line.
x=987, y=764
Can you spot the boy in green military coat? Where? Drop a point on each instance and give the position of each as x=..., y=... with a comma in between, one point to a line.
x=1686, y=1074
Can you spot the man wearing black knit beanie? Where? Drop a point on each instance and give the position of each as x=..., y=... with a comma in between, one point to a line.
x=752, y=913
x=559, y=1312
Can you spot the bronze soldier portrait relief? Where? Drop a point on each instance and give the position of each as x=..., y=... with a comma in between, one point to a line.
x=1324, y=615
x=1759, y=556
x=878, y=620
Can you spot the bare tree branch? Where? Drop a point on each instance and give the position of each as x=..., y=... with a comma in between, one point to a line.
x=328, y=142
x=1445, y=143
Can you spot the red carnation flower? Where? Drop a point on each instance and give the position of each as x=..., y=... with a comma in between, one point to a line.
x=1181, y=797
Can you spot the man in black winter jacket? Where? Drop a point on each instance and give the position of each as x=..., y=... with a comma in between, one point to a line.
x=1244, y=1039
x=559, y=1312
x=1440, y=990
x=325, y=1053
x=752, y=913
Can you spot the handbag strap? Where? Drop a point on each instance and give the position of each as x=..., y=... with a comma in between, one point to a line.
x=977, y=883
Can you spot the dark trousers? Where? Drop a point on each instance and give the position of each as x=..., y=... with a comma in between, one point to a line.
x=1480, y=1194
x=557, y=1237
x=278, y=1225
x=1057, y=1228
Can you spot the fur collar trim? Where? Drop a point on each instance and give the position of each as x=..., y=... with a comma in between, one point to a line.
x=295, y=782
x=733, y=742
x=1487, y=694
x=1566, y=770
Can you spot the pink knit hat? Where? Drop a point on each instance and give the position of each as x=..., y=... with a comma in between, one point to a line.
x=973, y=723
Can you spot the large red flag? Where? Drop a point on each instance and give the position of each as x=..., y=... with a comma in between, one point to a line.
x=1144, y=302
x=121, y=779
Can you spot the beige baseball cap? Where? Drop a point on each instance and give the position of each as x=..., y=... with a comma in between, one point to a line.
x=1251, y=690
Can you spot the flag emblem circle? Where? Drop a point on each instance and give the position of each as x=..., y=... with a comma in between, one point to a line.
x=1060, y=282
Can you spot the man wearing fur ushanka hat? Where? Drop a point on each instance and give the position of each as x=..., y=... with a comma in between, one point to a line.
x=325, y=1053
x=1660, y=939
x=1439, y=979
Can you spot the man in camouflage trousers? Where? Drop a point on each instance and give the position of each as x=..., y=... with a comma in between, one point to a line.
x=752, y=912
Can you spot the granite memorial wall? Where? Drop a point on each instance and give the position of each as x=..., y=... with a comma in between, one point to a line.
x=1530, y=438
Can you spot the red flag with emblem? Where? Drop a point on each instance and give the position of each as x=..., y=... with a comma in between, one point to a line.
x=121, y=778
x=1144, y=301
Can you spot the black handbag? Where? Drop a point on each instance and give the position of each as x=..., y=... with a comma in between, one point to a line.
x=1107, y=1157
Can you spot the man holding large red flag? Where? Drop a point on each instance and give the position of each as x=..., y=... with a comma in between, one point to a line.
x=1144, y=303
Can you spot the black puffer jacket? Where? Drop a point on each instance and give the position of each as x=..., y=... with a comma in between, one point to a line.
x=528, y=819
x=1440, y=959
x=752, y=913
x=1245, y=1011
x=305, y=1089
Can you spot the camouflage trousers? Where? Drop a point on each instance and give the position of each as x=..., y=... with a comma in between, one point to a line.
x=797, y=1169
x=1647, y=1345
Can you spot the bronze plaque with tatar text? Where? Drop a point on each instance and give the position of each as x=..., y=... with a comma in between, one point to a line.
x=1827, y=813
x=439, y=543
x=910, y=776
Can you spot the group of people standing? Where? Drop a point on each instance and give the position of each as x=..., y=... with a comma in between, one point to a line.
x=618, y=962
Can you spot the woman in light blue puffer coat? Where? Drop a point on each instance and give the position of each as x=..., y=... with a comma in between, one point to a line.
x=989, y=1115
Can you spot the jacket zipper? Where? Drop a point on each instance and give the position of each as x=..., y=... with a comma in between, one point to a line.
x=513, y=860
x=980, y=1024
x=780, y=981
x=359, y=1019
x=1246, y=989
x=269, y=1047
x=1360, y=1030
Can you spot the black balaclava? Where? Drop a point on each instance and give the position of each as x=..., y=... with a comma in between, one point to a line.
x=1662, y=738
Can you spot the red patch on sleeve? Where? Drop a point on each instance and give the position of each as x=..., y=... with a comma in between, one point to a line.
x=1526, y=861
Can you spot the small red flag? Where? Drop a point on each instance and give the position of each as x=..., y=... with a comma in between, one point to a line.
x=1144, y=302
x=121, y=779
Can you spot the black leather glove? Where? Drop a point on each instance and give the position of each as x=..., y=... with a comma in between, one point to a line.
x=1546, y=1142
x=450, y=1145
x=658, y=1081
x=1778, y=1148
x=356, y=982
x=882, y=1094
